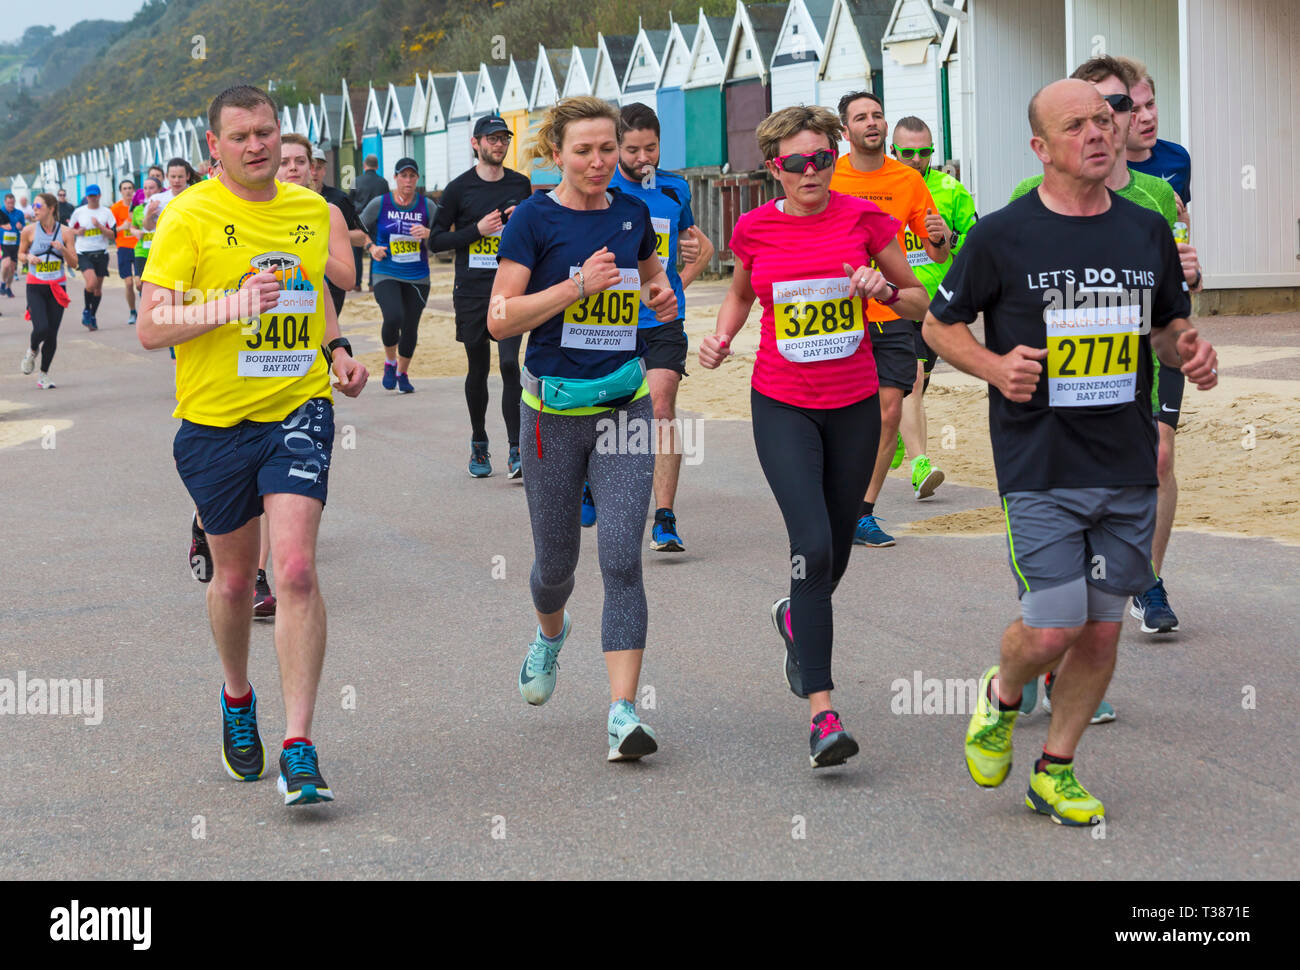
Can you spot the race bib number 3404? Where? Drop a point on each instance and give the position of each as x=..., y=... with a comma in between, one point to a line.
x=816, y=319
x=604, y=320
x=1092, y=355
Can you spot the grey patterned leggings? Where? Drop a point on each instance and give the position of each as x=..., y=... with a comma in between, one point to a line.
x=620, y=483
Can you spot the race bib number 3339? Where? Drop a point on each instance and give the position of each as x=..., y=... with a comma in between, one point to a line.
x=1092, y=355
x=605, y=320
x=816, y=319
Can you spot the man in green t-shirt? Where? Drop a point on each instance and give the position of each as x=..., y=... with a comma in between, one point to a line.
x=1113, y=81
x=953, y=216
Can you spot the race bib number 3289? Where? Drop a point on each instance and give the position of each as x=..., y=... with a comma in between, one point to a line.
x=816, y=319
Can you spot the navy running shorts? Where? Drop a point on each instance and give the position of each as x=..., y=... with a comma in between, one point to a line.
x=125, y=261
x=228, y=470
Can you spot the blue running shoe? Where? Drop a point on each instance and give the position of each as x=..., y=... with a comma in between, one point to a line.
x=390, y=376
x=869, y=533
x=664, y=537
x=479, y=466
x=1029, y=697
x=1104, y=714
x=537, y=674
x=85, y=317
x=94, y=324
x=629, y=739
x=514, y=463
x=242, y=750
x=404, y=385
x=588, y=507
x=1152, y=608
x=300, y=780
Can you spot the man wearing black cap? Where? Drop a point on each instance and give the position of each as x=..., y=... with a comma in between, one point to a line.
x=478, y=202
x=369, y=185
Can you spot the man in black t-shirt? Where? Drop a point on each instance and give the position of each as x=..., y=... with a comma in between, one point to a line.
x=1074, y=280
x=336, y=196
x=478, y=202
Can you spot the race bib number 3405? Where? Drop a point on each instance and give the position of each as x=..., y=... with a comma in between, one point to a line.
x=1092, y=355
x=604, y=320
x=816, y=319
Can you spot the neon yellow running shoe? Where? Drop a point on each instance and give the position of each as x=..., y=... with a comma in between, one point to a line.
x=898, y=453
x=1056, y=793
x=925, y=478
x=988, y=738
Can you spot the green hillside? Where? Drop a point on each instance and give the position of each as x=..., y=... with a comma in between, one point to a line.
x=146, y=71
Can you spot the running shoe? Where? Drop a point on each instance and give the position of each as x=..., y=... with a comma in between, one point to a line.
x=200, y=554
x=29, y=362
x=1029, y=697
x=514, y=465
x=300, y=780
x=390, y=376
x=899, y=453
x=1152, y=608
x=1056, y=793
x=829, y=744
x=781, y=621
x=85, y=317
x=629, y=739
x=664, y=537
x=588, y=507
x=869, y=533
x=479, y=466
x=130, y=321
x=537, y=673
x=925, y=479
x=242, y=750
x=1102, y=715
x=988, y=738
x=94, y=324
x=263, y=599
x=44, y=382
x=404, y=384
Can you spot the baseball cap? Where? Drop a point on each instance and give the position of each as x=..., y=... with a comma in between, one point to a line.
x=318, y=154
x=405, y=163
x=490, y=125
x=93, y=189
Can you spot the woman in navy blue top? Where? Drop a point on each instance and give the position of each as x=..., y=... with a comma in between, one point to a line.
x=573, y=267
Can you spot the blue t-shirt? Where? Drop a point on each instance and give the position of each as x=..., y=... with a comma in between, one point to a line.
x=669, y=202
x=552, y=240
x=13, y=222
x=1169, y=161
x=410, y=259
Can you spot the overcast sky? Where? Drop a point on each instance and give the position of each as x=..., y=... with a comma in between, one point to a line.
x=61, y=15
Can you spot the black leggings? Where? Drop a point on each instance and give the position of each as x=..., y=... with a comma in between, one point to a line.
x=47, y=314
x=818, y=464
x=476, y=388
x=401, y=303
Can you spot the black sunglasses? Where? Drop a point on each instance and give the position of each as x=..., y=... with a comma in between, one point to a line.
x=1120, y=102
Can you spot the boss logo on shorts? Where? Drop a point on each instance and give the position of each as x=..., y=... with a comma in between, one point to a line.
x=304, y=432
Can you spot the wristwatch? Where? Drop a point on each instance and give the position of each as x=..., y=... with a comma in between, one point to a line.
x=577, y=278
x=336, y=344
x=893, y=299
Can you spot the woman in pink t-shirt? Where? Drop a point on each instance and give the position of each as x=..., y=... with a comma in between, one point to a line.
x=807, y=258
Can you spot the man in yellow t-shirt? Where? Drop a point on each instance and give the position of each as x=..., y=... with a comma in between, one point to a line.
x=234, y=283
x=867, y=173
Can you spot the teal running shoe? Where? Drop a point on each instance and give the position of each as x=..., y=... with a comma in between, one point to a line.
x=1104, y=714
x=537, y=674
x=629, y=739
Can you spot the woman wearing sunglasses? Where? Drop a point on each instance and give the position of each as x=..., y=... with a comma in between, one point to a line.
x=46, y=247
x=816, y=417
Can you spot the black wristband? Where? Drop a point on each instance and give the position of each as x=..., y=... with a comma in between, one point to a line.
x=336, y=343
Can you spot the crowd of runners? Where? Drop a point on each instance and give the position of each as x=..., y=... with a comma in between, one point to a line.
x=868, y=270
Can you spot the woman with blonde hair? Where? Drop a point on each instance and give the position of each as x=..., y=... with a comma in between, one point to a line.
x=573, y=265
x=812, y=260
